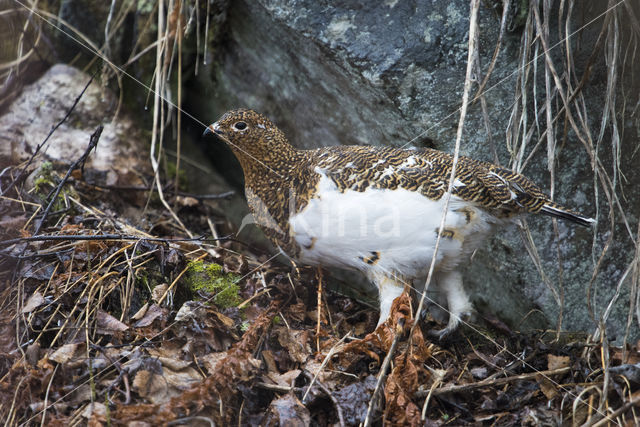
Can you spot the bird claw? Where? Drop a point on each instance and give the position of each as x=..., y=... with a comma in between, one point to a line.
x=454, y=321
x=441, y=334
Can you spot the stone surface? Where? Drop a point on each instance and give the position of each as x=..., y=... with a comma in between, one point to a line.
x=392, y=73
x=41, y=105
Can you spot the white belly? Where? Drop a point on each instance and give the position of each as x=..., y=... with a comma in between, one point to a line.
x=386, y=231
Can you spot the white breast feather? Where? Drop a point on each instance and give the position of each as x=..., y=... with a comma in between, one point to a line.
x=343, y=229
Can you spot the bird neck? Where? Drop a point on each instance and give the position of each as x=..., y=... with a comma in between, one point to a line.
x=275, y=187
x=273, y=166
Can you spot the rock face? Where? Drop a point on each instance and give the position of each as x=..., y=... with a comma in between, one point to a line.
x=48, y=100
x=392, y=73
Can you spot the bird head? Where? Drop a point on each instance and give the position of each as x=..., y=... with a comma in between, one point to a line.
x=250, y=135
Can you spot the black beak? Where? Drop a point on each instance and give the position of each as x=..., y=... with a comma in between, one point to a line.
x=208, y=132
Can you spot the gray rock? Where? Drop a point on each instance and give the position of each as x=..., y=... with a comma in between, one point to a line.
x=392, y=73
x=44, y=103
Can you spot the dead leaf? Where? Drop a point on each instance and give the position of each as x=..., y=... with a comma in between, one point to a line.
x=10, y=226
x=547, y=387
x=270, y=361
x=354, y=399
x=288, y=411
x=64, y=353
x=557, y=362
x=226, y=320
x=325, y=375
x=158, y=292
x=187, y=201
x=479, y=373
x=629, y=371
x=32, y=353
x=107, y=324
x=140, y=313
x=181, y=380
x=95, y=410
x=152, y=314
x=190, y=310
x=34, y=301
x=287, y=379
x=296, y=342
x=174, y=364
x=297, y=311
x=151, y=386
x=81, y=394
x=630, y=356
x=210, y=361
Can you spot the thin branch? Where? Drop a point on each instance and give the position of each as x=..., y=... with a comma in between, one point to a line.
x=491, y=382
x=116, y=237
x=473, y=26
x=93, y=143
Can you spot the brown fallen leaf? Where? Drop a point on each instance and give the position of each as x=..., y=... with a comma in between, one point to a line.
x=286, y=380
x=557, y=362
x=34, y=301
x=296, y=342
x=65, y=353
x=288, y=411
x=107, y=324
x=96, y=412
x=140, y=313
x=211, y=360
x=547, y=387
x=158, y=291
x=270, y=361
x=10, y=226
x=152, y=314
x=151, y=386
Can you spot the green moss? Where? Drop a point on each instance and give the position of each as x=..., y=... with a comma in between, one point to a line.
x=277, y=320
x=210, y=278
x=45, y=181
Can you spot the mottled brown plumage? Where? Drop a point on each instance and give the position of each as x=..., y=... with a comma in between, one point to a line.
x=271, y=165
x=281, y=181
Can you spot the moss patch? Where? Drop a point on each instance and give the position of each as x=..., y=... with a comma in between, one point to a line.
x=211, y=279
x=45, y=181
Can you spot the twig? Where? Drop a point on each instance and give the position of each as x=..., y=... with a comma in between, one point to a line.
x=279, y=388
x=633, y=402
x=438, y=376
x=319, y=309
x=498, y=381
x=473, y=25
x=93, y=142
x=496, y=51
x=225, y=195
x=324, y=363
x=383, y=372
x=46, y=396
x=82, y=237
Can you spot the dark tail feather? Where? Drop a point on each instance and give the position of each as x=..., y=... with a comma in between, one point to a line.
x=559, y=212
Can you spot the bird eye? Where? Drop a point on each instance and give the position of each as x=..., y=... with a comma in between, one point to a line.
x=240, y=126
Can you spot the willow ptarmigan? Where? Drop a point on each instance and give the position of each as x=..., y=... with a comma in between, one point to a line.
x=377, y=209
